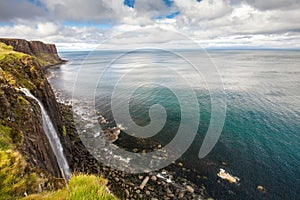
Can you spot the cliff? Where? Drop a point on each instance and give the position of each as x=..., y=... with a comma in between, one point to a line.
x=23, y=143
x=46, y=54
x=27, y=162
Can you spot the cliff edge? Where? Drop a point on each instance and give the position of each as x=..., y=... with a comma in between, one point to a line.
x=27, y=162
x=46, y=54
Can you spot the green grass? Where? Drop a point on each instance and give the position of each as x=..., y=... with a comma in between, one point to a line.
x=5, y=50
x=64, y=131
x=13, y=179
x=5, y=139
x=81, y=187
x=18, y=69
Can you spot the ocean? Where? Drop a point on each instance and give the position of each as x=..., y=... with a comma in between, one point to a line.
x=260, y=139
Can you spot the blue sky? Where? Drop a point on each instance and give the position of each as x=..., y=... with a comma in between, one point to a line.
x=210, y=23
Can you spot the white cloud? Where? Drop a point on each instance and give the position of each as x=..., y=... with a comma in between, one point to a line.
x=209, y=22
x=194, y=11
x=274, y=4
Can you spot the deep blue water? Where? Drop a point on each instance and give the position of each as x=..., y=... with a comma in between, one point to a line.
x=260, y=140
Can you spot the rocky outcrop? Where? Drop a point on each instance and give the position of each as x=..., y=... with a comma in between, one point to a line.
x=23, y=115
x=46, y=53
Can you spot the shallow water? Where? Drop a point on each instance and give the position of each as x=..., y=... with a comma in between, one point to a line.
x=260, y=141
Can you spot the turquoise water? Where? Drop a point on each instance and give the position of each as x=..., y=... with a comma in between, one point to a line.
x=260, y=141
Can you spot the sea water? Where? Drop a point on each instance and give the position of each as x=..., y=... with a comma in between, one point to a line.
x=260, y=140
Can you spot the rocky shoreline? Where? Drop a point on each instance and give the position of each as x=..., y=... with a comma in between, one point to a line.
x=166, y=183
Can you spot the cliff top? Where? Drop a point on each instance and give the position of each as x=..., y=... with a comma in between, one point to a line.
x=46, y=54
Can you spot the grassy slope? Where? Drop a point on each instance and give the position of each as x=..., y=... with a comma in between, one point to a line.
x=16, y=177
x=81, y=187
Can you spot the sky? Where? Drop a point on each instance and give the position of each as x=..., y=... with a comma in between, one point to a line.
x=84, y=24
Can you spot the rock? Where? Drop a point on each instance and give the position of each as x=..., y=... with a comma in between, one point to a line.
x=150, y=188
x=138, y=191
x=153, y=178
x=102, y=120
x=223, y=163
x=127, y=193
x=226, y=176
x=154, y=199
x=147, y=192
x=189, y=189
x=181, y=194
x=131, y=184
x=262, y=189
x=40, y=188
x=180, y=164
x=144, y=182
x=168, y=191
x=171, y=195
x=141, y=177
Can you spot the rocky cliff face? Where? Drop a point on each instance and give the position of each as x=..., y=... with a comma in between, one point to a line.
x=21, y=129
x=21, y=120
x=23, y=115
x=45, y=53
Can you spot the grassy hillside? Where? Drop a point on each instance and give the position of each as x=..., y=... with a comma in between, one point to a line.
x=17, y=176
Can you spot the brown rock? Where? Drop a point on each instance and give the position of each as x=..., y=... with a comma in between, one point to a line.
x=189, y=189
x=153, y=178
x=181, y=194
x=261, y=188
x=144, y=182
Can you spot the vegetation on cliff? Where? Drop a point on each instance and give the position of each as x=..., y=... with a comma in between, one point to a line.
x=18, y=122
x=80, y=187
x=27, y=162
x=45, y=54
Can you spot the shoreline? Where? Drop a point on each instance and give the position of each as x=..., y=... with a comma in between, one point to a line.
x=125, y=185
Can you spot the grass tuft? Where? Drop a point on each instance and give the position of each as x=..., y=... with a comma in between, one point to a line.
x=83, y=187
x=13, y=179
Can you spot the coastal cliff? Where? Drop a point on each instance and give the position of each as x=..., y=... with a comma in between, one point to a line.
x=21, y=130
x=27, y=162
x=46, y=54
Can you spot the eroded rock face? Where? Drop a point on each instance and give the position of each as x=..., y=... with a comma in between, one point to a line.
x=23, y=115
x=47, y=53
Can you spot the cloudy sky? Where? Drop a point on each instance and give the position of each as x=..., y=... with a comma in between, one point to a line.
x=80, y=24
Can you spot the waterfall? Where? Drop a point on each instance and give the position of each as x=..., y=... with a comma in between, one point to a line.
x=52, y=137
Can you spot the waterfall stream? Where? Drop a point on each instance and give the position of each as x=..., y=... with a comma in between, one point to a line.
x=52, y=137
